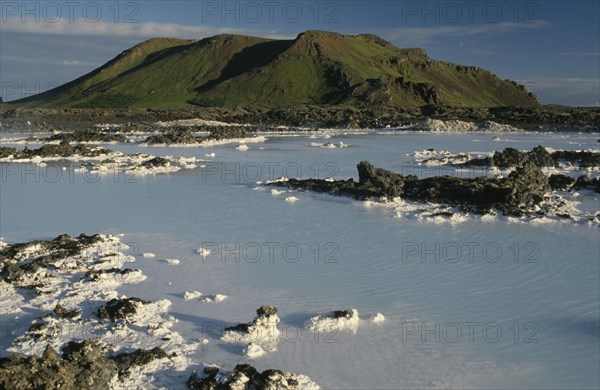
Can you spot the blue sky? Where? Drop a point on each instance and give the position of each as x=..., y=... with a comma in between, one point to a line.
x=552, y=47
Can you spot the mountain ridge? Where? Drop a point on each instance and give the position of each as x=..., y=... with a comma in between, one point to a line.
x=317, y=67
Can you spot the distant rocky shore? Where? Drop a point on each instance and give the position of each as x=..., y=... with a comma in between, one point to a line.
x=511, y=158
x=547, y=118
x=523, y=193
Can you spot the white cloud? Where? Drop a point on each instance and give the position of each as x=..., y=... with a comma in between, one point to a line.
x=82, y=27
x=419, y=36
x=34, y=60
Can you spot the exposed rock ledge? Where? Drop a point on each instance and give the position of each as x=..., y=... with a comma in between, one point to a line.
x=83, y=365
x=516, y=194
x=510, y=157
x=246, y=377
x=72, y=281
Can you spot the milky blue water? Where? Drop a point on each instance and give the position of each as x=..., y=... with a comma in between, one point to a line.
x=479, y=304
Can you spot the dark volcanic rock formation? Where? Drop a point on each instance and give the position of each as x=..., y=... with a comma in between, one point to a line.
x=120, y=309
x=176, y=136
x=63, y=150
x=585, y=183
x=560, y=182
x=16, y=267
x=185, y=135
x=88, y=135
x=514, y=195
x=139, y=357
x=262, y=313
x=251, y=377
x=547, y=118
x=510, y=158
x=583, y=159
x=83, y=365
x=156, y=162
x=223, y=133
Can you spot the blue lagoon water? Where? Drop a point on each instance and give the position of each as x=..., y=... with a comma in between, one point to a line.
x=477, y=304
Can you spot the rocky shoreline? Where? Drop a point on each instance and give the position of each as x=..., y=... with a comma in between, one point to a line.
x=244, y=376
x=80, y=333
x=97, y=160
x=67, y=278
x=540, y=157
x=546, y=118
x=82, y=365
x=523, y=193
x=510, y=158
x=106, y=340
x=185, y=136
x=64, y=150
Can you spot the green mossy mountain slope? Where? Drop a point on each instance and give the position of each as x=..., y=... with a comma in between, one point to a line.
x=315, y=68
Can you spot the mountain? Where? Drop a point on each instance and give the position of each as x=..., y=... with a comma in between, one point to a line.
x=317, y=67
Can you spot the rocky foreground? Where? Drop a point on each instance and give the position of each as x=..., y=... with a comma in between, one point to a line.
x=244, y=376
x=81, y=334
x=522, y=193
x=85, y=335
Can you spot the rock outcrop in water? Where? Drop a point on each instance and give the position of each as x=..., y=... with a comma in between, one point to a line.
x=156, y=162
x=539, y=156
x=63, y=150
x=246, y=377
x=19, y=268
x=266, y=316
x=72, y=275
x=566, y=183
x=88, y=135
x=338, y=320
x=181, y=135
x=510, y=158
x=176, y=136
x=583, y=159
x=120, y=308
x=98, y=161
x=583, y=182
x=83, y=365
x=514, y=195
x=222, y=133
x=259, y=336
x=560, y=182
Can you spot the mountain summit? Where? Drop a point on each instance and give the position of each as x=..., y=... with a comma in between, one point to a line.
x=317, y=67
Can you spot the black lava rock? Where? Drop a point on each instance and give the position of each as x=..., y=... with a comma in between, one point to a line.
x=121, y=308
x=560, y=182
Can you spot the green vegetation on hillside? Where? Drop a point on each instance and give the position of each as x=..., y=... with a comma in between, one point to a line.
x=315, y=68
